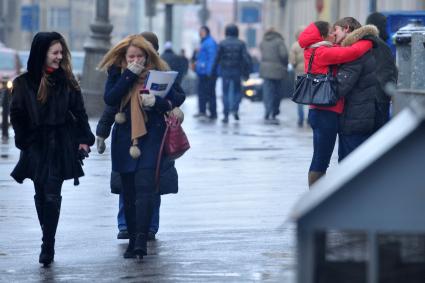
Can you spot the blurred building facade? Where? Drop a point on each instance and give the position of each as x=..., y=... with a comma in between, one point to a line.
x=21, y=19
x=287, y=15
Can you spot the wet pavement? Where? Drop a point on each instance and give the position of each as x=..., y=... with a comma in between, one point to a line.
x=228, y=223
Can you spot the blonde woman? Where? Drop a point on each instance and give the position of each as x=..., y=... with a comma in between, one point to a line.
x=138, y=130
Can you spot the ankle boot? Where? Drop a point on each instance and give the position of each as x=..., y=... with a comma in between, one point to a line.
x=129, y=252
x=140, y=245
x=51, y=213
x=313, y=176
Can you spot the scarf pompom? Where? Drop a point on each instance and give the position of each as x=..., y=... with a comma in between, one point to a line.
x=120, y=118
x=135, y=151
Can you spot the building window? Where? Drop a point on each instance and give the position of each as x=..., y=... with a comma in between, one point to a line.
x=59, y=18
x=340, y=256
x=401, y=258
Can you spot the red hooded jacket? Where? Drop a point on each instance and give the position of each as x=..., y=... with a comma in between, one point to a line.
x=326, y=56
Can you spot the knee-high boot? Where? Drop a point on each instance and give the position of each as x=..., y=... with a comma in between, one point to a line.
x=144, y=206
x=130, y=218
x=52, y=205
x=39, y=206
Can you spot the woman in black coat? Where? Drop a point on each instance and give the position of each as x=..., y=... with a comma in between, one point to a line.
x=51, y=130
x=138, y=131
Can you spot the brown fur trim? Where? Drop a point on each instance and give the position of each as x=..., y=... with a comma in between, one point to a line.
x=359, y=33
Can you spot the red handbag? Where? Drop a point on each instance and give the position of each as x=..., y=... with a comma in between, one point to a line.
x=175, y=141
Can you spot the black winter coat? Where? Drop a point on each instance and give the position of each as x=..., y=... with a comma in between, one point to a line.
x=358, y=84
x=386, y=70
x=233, y=59
x=48, y=134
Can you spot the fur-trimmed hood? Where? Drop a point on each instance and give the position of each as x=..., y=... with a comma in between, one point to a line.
x=360, y=33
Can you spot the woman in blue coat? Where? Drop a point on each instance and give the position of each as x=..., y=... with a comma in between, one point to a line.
x=138, y=131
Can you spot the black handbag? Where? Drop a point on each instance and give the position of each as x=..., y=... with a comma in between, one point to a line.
x=318, y=90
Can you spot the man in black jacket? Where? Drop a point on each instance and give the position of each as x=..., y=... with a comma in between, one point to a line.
x=357, y=83
x=386, y=69
x=232, y=62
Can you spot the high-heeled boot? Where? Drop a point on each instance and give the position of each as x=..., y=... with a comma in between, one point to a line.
x=39, y=206
x=140, y=245
x=144, y=206
x=129, y=252
x=51, y=212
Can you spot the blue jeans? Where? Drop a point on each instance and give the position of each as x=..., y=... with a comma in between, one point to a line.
x=348, y=143
x=154, y=225
x=206, y=95
x=272, y=94
x=231, y=95
x=325, y=128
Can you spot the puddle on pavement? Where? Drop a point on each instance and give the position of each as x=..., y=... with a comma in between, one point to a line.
x=222, y=159
x=258, y=148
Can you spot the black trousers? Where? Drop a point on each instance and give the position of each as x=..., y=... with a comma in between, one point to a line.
x=206, y=94
x=138, y=192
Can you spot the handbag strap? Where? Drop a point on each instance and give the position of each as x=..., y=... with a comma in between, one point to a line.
x=310, y=62
x=158, y=161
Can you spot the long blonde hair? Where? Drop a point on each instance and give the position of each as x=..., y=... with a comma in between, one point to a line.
x=116, y=56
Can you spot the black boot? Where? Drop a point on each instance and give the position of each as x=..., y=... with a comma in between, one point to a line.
x=140, y=246
x=51, y=212
x=144, y=206
x=129, y=252
x=39, y=206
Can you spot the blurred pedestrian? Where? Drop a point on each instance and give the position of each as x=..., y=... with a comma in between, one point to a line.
x=324, y=121
x=51, y=130
x=296, y=59
x=386, y=69
x=273, y=69
x=174, y=61
x=206, y=79
x=234, y=63
x=358, y=84
x=138, y=131
x=185, y=62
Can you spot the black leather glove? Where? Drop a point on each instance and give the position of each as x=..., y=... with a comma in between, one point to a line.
x=81, y=155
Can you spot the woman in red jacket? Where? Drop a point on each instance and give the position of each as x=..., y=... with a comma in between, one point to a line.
x=324, y=120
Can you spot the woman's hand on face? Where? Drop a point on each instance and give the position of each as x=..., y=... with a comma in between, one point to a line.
x=137, y=66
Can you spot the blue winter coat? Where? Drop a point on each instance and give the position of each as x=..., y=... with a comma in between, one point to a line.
x=117, y=86
x=206, y=56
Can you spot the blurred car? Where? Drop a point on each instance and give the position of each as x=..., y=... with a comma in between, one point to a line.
x=9, y=66
x=23, y=58
x=253, y=87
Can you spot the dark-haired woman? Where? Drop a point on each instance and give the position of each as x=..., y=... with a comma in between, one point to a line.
x=324, y=120
x=51, y=130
